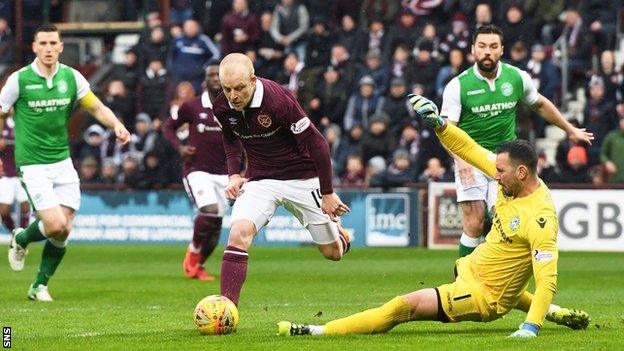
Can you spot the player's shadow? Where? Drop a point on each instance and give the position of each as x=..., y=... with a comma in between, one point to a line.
x=499, y=331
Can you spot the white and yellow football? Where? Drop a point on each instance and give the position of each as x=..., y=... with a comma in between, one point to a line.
x=216, y=315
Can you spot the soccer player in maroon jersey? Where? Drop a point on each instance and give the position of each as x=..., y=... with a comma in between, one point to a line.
x=288, y=163
x=10, y=187
x=205, y=172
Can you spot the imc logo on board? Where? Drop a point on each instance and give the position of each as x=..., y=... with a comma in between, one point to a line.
x=387, y=219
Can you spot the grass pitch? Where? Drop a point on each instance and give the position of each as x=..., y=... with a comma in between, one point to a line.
x=134, y=297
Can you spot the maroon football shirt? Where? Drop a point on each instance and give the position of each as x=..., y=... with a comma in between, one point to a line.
x=8, y=154
x=276, y=134
x=204, y=134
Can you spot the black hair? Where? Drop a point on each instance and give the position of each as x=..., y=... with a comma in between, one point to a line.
x=49, y=27
x=521, y=152
x=488, y=29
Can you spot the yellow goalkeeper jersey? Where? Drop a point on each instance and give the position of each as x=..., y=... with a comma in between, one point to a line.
x=522, y=242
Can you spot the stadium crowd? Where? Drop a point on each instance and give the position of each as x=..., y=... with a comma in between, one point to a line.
x=351, y=64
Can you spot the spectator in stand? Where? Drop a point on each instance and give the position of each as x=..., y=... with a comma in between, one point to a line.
x=405, y=31
x=612, y=78
x=329, y=101
x=143, y=139
x=378, y=38
x=378, y=141
x=180, y=11
x=290, y=24
x=459, y=37
x=354, y=174
x=435, y=172
x=402, y=64
x=129, y=72
x=399, y=173
x=351, y=37
x=184, y=92
x=545, y=15
x=91, y=145
x=156, y=46
x=189, y=54
x=575, y=170
x=579, y=43
x=89, y=171
x=427, y=68
x=341, y=8
x=376, y=69
x=409, y=139
x=6, y=44
x=332, y=134
x=119, y=100
x=154, y=175
x=518, y=55
x=110, y=172
x=428, y=39
x=548, y=173
x=612, y=155
x=290, y=74
x=602, y=17
x=516, y=28
x=600, y=116
x=363, y=104
x=385, y=10
x=319, y=41
x=130, y=175
x=341, y=61
x=546, y=78
x=240, y=29
x=483, y=15
x=152, y=90
x=457, y=64
x=351, y=144
x=396, y=106
x=270, y=52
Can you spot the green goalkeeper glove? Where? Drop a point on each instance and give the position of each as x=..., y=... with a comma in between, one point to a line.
x=527, y=330
x=427, y=110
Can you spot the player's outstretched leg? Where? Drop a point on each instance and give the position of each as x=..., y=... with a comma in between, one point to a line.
x=371, y=321
x=20, y=241
x=574, y=319
x=345, y=238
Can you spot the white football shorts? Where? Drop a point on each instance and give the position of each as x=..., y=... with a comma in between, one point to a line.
x=204, y=189
x=483, y=188
x=301, y=197
x=11, y=191
x=50, y=185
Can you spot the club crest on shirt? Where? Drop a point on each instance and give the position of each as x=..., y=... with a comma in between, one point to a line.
x=507, y=89
x=515, y=223
x=62, y=86
x=265, y=121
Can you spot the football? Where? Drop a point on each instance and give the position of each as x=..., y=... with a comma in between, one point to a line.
x=216, y=315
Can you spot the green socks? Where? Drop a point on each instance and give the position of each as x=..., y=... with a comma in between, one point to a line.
x=51, y=258
x=31, y=234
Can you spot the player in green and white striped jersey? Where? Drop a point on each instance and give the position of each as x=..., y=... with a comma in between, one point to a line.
x=482, y=101
x=42, y=95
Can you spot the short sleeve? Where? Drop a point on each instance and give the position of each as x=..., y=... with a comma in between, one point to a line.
x=451, y=102
x=9, y=93
x=529, y=92
x=82, y=85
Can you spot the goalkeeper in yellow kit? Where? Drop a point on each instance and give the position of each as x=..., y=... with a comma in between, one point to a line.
x=493, y=279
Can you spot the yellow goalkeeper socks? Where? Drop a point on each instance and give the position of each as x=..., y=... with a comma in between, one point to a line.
x=374, y=320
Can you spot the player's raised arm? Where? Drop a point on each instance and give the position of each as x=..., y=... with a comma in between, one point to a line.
x=104, y=114
x=550, y=113
x=455, y=139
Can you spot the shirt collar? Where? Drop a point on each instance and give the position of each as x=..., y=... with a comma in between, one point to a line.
x=205, y=100
x=478, y=74
x=36, y=69
x=256, y=100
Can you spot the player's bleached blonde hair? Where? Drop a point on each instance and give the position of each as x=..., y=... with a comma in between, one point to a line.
x=236, y=63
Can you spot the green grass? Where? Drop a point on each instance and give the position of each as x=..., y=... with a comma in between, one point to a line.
x=133, y=297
